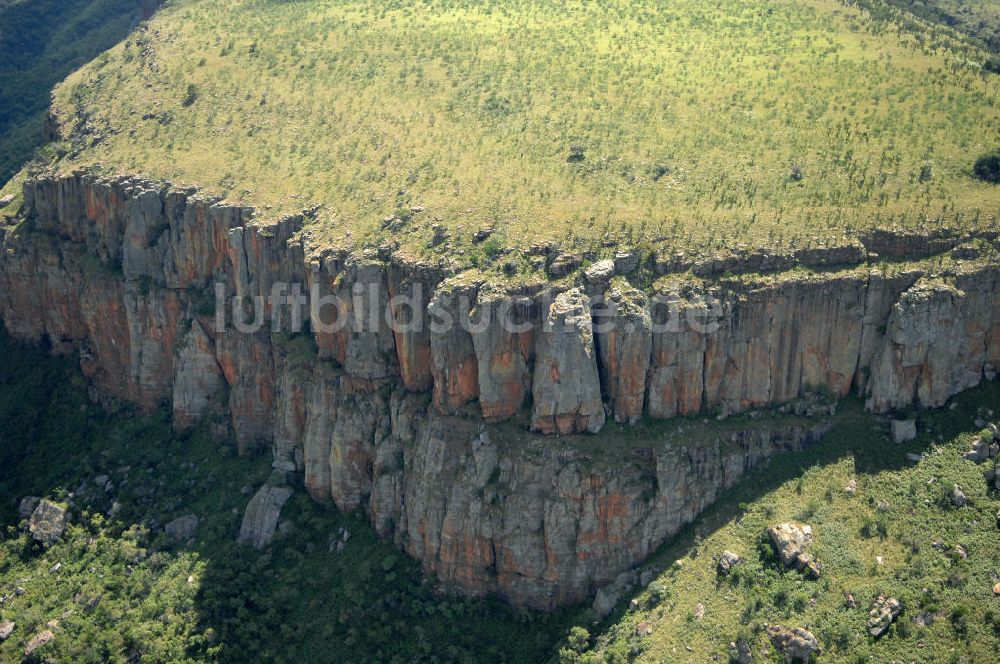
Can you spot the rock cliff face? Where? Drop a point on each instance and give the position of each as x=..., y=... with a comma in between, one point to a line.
x=422, y=417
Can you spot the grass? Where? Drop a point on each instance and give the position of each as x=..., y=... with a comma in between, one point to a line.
x=899, y=513
x=671, y=125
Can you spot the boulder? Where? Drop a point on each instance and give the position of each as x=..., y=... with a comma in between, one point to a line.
x=626, y=261
x=563, y=264
x=903, y=431
x=261, y=517
x=27, y=506
x=957, y=497
x=6, y=200
x=182, y=528
x=883, y=613
x=38, y=641
x=6, y=629
x=795, y=645
x=600, y=272
x=48, y=522
x=790, y=540
x=727, y=561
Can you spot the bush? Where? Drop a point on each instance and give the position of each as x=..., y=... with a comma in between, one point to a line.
x=987, y=167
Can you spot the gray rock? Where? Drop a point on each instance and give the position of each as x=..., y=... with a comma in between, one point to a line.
x=790, y=540
x=980, y=450
x=883, y=613
x=6, y=629
x=626, y=261
x=600, y=272
x=567, y=388
x=903, y=430
x=795, y=645
x=727, y=561
x=48, y=522
x=563, y=264
x=27, y=506
x=957, y=497
x=182, y=528
x=6, y=200
x=261, y=517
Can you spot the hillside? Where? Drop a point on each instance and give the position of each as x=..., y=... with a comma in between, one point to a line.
x=41, y=41
x=883, y=524
x=697, y=127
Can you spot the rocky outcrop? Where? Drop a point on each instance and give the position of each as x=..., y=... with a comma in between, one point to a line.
x=261, y=517
x=48, y=522
x=167, y=298
x=794, y=645
x=566, y=386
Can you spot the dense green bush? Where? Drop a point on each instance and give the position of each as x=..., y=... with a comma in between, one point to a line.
x=988, y=167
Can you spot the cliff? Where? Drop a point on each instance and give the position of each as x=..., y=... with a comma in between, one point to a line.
x=441, y=432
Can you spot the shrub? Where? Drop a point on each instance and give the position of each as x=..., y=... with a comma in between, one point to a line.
x=987, y=167
x=192, y=95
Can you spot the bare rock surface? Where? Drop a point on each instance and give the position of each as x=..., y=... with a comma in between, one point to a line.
x=261, y=517
x=48, y=522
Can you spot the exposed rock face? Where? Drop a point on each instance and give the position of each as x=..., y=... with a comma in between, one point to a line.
x=566, y=386
x=182, y=528
x=261, y=517
x=48, y=522
x=37, y=642
x=399, y=421
x=903, y=430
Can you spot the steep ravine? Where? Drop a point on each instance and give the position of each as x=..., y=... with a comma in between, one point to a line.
x=427, y=428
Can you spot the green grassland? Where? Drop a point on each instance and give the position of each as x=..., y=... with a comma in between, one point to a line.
x=676, y=123
x=900, y=513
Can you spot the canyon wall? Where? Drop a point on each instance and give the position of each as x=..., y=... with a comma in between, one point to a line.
x=445, y=434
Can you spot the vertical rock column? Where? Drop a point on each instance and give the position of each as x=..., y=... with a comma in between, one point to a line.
x=566, y=384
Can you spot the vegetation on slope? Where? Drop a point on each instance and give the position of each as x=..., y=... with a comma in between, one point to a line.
x=41, y=41
x=894, y=532
x=122, y=590
x=696, y=124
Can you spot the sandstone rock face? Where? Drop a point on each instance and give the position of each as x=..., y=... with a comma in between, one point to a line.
x=261, y=517
x=566, y=385
x=399, y=420
x=48, y=522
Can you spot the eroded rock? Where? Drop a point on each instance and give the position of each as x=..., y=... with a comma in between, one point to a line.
x=903, y=431
x=727, y=561
x=261, y=517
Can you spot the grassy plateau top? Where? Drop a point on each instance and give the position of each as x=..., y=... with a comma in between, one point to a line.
x=694, y=124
